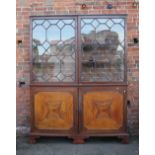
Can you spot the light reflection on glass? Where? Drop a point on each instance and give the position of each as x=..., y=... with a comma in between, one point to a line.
x=53, y=50
x=102, y=52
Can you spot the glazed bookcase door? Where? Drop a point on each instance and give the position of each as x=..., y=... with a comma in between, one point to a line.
x=102, y=46
x=54, y=50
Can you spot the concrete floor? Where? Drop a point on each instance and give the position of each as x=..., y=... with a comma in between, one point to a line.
x=64, y=146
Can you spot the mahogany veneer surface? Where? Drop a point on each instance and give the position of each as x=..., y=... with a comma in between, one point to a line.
x=53, y=110
x=103, y=110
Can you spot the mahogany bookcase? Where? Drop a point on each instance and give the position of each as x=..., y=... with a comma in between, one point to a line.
x=78, y=77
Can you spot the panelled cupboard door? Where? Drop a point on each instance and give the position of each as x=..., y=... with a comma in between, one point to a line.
x=102, y=109
x=54, y=109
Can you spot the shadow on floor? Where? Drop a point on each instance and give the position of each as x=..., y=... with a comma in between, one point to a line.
x=64, y=146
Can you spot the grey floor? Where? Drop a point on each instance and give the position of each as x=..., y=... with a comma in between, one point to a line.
x=64, y=146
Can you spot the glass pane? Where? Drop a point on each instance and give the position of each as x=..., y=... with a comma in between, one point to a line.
x=102, y=50
x=68, y=33
x=53, y=34
x=39, y=34
x=53, y=50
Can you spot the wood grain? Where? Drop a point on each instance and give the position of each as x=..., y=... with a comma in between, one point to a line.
x=103, y=110
x=53, y=110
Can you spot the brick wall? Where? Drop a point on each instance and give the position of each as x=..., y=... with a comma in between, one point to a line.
x=26, y=8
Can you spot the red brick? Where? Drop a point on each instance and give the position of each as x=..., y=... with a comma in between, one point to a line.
x=40, y=8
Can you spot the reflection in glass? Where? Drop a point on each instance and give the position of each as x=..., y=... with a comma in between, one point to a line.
x=38, y=22
x=60, y=24
x=39, y=34
x=46, y=24
x=53, y=34
x=88, y=21
x=53, y=50
x=120, y=30
x=87, y=29
x=102, y=50
x=101, y=27
x=109, y=23
x=95, y=23
x=117, y=20
x=54, y=22
x=102, y=21
x=70, y=33
x=69, y=21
